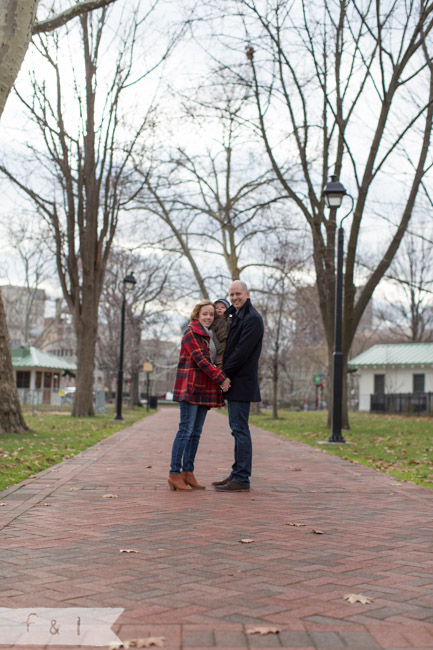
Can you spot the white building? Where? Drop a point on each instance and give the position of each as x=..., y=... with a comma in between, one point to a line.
x=397, y=371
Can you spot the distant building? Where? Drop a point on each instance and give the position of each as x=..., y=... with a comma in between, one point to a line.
x=40, y=377
x=25, y=313
x=395, y=377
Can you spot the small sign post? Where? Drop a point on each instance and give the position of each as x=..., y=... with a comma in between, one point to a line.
x=318, y=383
x=148, y=368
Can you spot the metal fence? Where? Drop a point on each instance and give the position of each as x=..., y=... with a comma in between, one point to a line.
x=408, y=403
x=41, y=396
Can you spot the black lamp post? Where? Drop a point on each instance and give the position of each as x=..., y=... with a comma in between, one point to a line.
x=128, y=284
x=333, y=194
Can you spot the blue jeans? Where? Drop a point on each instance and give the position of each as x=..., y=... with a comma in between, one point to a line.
x=185, y=445
x=238, y=420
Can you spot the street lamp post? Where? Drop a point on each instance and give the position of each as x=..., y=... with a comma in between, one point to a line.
x=128, y=284
x=333, y=194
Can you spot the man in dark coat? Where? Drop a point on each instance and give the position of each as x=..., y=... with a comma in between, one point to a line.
x=240, y=364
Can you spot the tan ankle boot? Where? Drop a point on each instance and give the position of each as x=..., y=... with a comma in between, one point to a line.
x=176, y=482
x=190, y=479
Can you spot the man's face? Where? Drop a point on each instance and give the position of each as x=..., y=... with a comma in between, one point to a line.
x=238, y=296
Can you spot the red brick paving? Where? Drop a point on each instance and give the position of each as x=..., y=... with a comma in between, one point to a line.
x=192, y=580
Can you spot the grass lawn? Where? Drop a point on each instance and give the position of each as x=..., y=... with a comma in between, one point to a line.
x=55, y=437
x=398, y=445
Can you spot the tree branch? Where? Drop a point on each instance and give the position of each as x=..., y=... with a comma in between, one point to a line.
x=62, y=18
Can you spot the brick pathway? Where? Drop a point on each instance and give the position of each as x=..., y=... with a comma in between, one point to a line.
x=192, y=580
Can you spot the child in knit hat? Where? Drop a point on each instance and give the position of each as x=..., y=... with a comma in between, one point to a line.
x=220, y=328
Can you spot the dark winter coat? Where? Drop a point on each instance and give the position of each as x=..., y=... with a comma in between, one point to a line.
x=197, y=379
x=241, y=356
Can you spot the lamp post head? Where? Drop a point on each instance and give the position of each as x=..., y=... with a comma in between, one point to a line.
x=129, y=281
x=334, y=192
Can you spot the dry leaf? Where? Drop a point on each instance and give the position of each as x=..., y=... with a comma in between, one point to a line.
x=74, y=489
x=127, y=550
x=2, y=504
x=292, y=523
x=318, y=532
x=357, y=598
x=148, y=466
x=246, y=541
x=263, y=630
x=110, y=496
x=295, y=468
x=139, y=643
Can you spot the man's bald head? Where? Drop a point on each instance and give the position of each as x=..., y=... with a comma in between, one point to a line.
x=238, y=294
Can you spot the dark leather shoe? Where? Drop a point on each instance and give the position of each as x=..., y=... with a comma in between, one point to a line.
x=223, y=482
x=232, y=486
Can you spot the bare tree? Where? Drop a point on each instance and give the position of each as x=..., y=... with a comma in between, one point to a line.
x=17, y=24
x=409, y=315
x=215, y=204
x=144, y=305
x=277, y=307
x=353, y=93
x=87, y=155
x=28, y=241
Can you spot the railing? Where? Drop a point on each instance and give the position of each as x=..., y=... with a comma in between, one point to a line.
x=38, y=397
x=402, y=403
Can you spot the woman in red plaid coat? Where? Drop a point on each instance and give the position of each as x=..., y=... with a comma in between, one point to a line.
x=197, y=387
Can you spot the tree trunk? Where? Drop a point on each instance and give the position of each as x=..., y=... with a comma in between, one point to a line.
x=11, y=419
x=86, y=326
x=16, y=21
x=275, y=390
x=134, y=398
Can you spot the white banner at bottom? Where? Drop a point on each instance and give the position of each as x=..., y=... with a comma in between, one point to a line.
x=76, y=626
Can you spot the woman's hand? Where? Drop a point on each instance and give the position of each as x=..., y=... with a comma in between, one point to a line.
x=226, y=385
x=218, y=359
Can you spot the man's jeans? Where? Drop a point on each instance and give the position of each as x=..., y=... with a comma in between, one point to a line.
x=185, y=445
x=238, y=420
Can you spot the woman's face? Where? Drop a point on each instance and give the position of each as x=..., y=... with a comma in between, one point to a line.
x=206, y=315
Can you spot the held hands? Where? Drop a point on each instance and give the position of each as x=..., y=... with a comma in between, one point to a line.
x=226, y=385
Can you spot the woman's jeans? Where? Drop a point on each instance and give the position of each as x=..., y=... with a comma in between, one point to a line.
x=185, y=445
x=238, y=420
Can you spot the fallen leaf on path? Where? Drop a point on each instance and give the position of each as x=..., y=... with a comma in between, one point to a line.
x=127, y=550
x=292, y=523
x=318, y=532
x=74, y=489
x=110, y=496
x=2, y=504
x=357, y=598
x=295, y=468
x=139, y=643
x=246, y=541
x=263, y=630
x=148, y=466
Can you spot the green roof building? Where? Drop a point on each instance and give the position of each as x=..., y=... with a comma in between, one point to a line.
x=41, y=376
x=394, y=369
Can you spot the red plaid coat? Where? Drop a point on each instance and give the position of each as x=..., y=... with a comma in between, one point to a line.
x=197, y=379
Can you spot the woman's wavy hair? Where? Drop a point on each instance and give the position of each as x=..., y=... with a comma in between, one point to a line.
x=198, y=306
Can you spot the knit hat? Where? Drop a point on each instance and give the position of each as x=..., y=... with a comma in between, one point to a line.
x=224, y=301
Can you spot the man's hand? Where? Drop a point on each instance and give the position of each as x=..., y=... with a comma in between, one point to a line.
x=218, y=359
x=226, y=385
